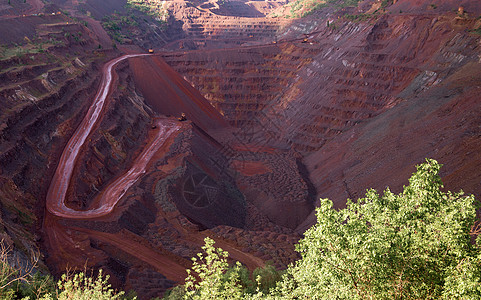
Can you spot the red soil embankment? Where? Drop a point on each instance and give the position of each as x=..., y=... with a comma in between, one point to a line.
x=168, y=93
x=16, y=30
x=166, y=265
x=442, y=124
x=36, y=5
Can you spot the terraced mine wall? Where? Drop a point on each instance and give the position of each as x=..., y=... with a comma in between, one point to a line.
x=177, y=25
x=207, y=28
x=285, y=199
x=344, y=78
x=43, y=98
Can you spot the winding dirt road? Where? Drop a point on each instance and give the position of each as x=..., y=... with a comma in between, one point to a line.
x=71, y=246
x=109, y=198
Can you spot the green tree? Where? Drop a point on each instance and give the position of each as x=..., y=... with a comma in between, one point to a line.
x=213, y=281
x=415, y=245
x=14, y=272
x=81, y=287
x=211, y=277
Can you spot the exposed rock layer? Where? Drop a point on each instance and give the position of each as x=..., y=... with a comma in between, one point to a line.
x=358, y=100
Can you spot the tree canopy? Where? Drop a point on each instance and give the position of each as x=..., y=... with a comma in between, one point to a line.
x=413, y=245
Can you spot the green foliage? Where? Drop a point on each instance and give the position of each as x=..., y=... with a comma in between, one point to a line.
x=214, y=282
x=267, y=277
x=359, y=17
x=386, y=3
x=111, y=23
x=19, y=281
x=302, y=8
x=81, y=287
x=177, y=293
x=475, y=31
x=149, y=7
x=211, y=277
x=13, y=272
x=415, y=245
x=119, y=26
x=37, y=286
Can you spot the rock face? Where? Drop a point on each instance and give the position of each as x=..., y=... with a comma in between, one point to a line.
x=279, y=182
x=42, y=97
x=358, y=101
x=328, y=106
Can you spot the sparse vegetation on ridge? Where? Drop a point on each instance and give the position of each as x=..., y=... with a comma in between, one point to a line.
x=123, y=26
x=153, y=8
x=359, y=17
x=114, y=24
x=302, y=8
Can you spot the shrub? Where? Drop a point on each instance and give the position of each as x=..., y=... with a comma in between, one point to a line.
x=214, y=282
x=415, y=245
x=81, y=287
x=14, y=272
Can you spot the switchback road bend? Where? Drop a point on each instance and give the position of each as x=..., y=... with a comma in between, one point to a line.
x=111, y=195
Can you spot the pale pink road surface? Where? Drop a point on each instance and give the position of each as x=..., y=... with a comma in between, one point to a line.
x=112, y=194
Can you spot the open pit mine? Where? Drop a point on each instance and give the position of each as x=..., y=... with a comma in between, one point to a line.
x=283, y=103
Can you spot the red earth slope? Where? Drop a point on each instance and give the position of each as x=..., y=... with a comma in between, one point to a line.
x=361, y=102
